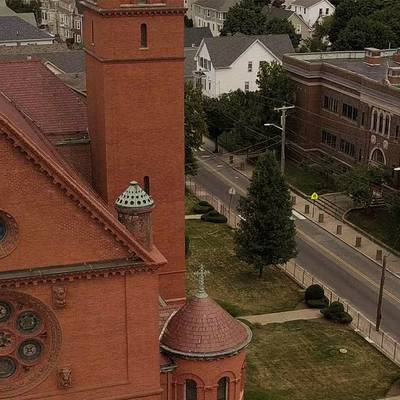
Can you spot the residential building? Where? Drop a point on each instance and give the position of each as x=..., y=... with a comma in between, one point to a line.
x=92, y=255
x=193, y=38
x=312, y=11
x=347, y=105
x=299, y=24
x=5, y=11
x=211, y=13
x=228, y=63
x=15, y=31
x=63, y=18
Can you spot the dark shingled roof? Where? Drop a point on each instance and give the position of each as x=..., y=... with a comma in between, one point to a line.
x=190, y=64
x=276, y=12
x=15, y=28
x=219, y=5
x=224, y=50
x=194, y=36
x=305, y=3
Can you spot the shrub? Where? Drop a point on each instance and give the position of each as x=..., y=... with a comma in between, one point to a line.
x=314, y=292
x=318, y=303
x=214, y=216
x=202, y=207
x=335, y=312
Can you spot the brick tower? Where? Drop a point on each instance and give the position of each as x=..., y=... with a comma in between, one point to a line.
x=134, y=63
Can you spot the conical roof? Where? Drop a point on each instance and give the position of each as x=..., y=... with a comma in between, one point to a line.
x=202, y=329
x=134, y=197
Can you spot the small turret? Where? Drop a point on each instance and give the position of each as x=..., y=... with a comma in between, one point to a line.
x=134, y=207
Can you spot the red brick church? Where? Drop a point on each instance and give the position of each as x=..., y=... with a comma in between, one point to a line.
x=92, y=269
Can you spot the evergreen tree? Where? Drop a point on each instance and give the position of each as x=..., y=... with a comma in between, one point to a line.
x=266, y=235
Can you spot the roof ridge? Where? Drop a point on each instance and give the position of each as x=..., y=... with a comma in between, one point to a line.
x=64, y=176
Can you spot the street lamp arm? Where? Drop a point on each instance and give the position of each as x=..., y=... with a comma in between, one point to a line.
x=274, y=125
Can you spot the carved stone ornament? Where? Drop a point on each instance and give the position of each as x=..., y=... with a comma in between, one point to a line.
x=59, y=296
x=373, y=139
x=385, y=144
x=65, y=378
x=30, y=341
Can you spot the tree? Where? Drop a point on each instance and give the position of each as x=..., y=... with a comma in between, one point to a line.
x=360, y=182
x=244, y=17
x=188, y=22
x=266, y=235
x=195, y=125
x=217, y=118
x=281, y=26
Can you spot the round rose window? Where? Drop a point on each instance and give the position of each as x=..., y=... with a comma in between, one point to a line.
x=8, y=234
x=30, y=339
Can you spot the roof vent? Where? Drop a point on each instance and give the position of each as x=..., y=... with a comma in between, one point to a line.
x=373, y=56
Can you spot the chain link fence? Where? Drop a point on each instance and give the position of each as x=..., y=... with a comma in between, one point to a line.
x=361, y=324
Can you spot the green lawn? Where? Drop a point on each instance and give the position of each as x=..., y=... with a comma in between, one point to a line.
x=307, y=180
x=378, y=223
x=232, y=281
x=300, y=360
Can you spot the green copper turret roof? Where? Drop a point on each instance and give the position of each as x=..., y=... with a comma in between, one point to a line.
x=134, y=197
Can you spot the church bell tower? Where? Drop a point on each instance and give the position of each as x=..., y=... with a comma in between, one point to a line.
x=135, y=78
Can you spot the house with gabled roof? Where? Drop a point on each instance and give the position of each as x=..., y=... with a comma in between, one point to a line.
x=228, y=63
x=312, y=11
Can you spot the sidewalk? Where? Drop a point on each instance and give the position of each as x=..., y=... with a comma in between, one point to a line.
x=281, y=317
x=330, y=223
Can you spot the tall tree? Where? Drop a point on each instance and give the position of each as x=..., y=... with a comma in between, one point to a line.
x=266, y=235
x=195, y=125
x=280, y=26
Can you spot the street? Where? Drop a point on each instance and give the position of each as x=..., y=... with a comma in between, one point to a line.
x=352, y=275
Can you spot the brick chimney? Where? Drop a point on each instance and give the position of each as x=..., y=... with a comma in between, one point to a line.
x=373, y=56
x=134, y=207
x=394, y=75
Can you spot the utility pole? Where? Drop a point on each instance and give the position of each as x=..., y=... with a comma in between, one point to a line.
x=380, y=298
x=283, y=110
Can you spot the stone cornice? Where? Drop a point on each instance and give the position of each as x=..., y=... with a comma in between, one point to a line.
x=55, y=274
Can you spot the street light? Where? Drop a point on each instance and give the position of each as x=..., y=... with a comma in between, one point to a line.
x=283, y=144
x=274, y=125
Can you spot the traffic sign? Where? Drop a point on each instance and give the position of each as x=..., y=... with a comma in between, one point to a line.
x=314, y=196
x=232, y=191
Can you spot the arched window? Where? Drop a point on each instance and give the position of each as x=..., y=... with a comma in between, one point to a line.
x=223, y=389
x=387, y=125
x=146, y=180
x=190, y=389
x=143, y=36
x=374, y=120
x=380, y=123
x=378, y=157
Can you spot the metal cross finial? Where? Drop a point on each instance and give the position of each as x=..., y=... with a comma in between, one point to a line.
x=201, y=273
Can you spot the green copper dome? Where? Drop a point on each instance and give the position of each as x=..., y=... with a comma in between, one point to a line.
x=134, y=197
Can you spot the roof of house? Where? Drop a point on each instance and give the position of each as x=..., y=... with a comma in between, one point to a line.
x=224, y=50
x=190, y=63
x=276, y=12
x=5, y=11
x=194, y=36
x=305, y=3
x=203, y=329
x=45, y=99
x=219, y=5
x=13, y=28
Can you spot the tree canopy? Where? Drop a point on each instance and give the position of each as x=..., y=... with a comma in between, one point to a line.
x=195, y=125
x=266, y=235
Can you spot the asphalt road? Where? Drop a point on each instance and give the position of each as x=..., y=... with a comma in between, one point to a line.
x=353, y=276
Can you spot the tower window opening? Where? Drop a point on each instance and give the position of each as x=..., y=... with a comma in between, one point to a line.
x=190, y=389
x=143, y=36
x=223, y=389
x=146, y=180
x=92, y=33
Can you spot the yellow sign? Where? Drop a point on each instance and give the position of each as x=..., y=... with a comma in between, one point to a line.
x=314, y=196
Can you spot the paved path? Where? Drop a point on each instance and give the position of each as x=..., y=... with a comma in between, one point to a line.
x=280, y=317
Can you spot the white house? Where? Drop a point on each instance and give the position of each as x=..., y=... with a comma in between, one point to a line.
x=228, y=63
x=311, y=11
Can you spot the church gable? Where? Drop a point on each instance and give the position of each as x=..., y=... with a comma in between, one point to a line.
x=49, y=217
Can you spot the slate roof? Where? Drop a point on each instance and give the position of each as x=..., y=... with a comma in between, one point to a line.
x=194, y=36
x=305, y=3
x=6, y=11
x=224, y=50
x=45, y=99
x=190, y=64
x=219, y=5
x=202, y=329
x=276, y=12
x=13, y=28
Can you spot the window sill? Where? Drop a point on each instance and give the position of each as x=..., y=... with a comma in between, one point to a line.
x=143, y=48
